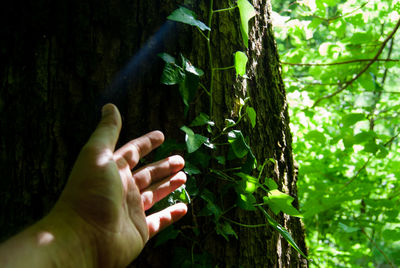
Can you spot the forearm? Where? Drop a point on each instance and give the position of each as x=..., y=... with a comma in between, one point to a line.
x=58, y=240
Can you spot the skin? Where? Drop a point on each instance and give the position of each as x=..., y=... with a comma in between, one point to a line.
x=100, y=220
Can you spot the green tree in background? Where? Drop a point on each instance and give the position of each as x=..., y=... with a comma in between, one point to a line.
x=340, y=61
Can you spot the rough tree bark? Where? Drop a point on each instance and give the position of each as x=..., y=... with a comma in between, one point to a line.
x=57, y=62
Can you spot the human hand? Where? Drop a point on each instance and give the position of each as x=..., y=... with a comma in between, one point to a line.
x=109, y=200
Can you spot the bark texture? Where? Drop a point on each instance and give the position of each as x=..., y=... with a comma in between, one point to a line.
x=60, y=61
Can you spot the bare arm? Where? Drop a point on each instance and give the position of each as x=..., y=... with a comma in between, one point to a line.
x=100, y=220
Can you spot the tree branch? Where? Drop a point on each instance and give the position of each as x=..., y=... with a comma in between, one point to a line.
x=335, y=63
x=347, y=84
x=389, y=142
x=376, y=246
x=328, y=20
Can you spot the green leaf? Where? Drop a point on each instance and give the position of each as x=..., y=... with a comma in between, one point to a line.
x=278, y=201
x=167, y=58
x=167, y=148
x=246, y=201
x=348, y=229
x=190, y=82
x=225, y=229
x=187, y=16
x=271, y=184
x=397, y=7
x=351, y=119
x=238, y=144
x=249, y=184
x=220, y=159
x=172, y=75
x=229, y=122
x=251, y=113
x=316, y=136
x=250, y=164
x=282, y=231
x=191, y=169
x=240, y=63
x=246, y=11
x=193, y=141
x=192, y=69
x=371, y=147
x=200, y=120
x=168, y=233
x=179, y=195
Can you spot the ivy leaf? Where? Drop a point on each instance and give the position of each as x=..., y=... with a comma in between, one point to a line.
x=238, y=144
x=225, y=230
x=246, y=11
x=278, y=201
x=167, y=58
x=192, y=69
x=167, y=234
x=191, y=169
x=172, y=75
x=201, y=120
x=246, y=201
x=249, y=184
x=187, y=16
x=251, y=113
x=193, y=141
x=240, y=63
x=282, y=231
x=271, y=184
x=166, y=148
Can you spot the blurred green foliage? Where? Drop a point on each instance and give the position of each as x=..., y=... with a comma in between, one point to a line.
x=340, y=63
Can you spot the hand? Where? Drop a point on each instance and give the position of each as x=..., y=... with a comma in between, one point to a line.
x=110, y=200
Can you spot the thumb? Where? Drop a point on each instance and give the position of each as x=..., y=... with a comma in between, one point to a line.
x=107, y=131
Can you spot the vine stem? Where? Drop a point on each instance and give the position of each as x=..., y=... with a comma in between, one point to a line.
x=225, y=9
x=211, y=13
x=245, y=225
x=224, y=68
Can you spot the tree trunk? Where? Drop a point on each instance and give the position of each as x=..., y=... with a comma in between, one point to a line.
x=60, y=62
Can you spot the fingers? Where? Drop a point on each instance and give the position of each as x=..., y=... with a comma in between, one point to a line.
x=164, y=218
x=107, y=131
x=151, y=173
x=138, y=148
x=158, y=191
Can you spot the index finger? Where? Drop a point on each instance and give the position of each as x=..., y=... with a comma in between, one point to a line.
x=138, y=148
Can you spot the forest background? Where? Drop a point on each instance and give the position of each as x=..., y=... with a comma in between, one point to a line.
x=340, y=62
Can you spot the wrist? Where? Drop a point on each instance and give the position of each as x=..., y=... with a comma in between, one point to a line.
x=69, y=240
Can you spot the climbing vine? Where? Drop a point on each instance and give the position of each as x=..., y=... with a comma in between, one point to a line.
x=222, y=154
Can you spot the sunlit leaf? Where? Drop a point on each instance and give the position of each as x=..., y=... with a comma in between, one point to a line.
x=240, y=63
x=246, y=11
x=193, y=141
x=239, y=145
x=278, y=201
x=246, y=201
x=187, y=16
x=282, y=231
x=251, y=113
x=200, y=120
x=351, y=119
